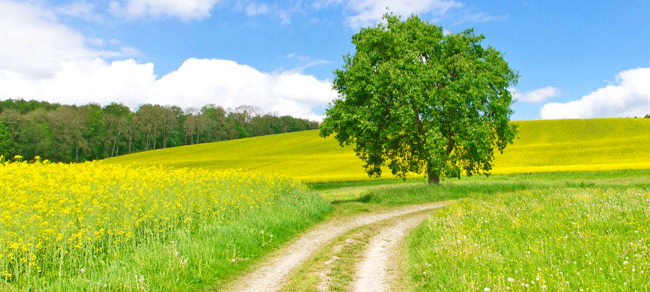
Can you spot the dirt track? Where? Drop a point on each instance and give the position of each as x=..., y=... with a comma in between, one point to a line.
x=372, y=274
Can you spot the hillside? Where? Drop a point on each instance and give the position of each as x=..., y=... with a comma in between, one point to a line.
x=543, y=146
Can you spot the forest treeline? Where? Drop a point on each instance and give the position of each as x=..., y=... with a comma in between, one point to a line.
x=69, y=133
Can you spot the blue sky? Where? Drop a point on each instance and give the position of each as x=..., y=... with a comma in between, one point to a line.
x=576, y=59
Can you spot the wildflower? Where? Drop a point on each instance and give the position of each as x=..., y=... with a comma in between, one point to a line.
x=511, y=279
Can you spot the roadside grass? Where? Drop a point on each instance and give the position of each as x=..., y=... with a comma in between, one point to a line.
x=96, y=227
x=416, y=190
x=508, y=231
x=544, y=239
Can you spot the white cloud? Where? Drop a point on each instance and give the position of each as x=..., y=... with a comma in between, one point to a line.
x=368, y=12
x=33, y=43
x=80, y=9
x=306, y=62
x=285, y=14
x=82, y=82
x=363, y=13
x=45, y=60
x=228, y=84
x=537, y=95
x=186, y=10
x=478, y=17
x=196, y=83
x=631, y=97
x=95, y=42
x=256, y=9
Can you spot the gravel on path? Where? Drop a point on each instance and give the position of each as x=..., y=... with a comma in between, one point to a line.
x=378, y=271
x=272, y=274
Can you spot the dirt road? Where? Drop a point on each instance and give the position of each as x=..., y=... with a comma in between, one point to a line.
x=372, y=274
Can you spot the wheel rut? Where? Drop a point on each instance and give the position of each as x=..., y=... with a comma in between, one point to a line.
x=379, y=269
x=275, y=272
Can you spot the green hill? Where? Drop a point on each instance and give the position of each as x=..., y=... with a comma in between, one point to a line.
x=543, y=146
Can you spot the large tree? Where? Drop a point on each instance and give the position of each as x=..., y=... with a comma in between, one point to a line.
x=416, y=100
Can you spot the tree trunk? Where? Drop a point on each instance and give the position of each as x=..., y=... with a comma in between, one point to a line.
x=114, y=145
x=434, y=178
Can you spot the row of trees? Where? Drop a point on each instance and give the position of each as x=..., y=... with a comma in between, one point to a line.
x=79, y=133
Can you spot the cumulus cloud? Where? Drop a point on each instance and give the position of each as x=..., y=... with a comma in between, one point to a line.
x=186, y=10
x=197, y=82
x=85, y=81
x=537, y=95
x=629, y=98
x=45, y=60
x=33, y=43
x=222, y=82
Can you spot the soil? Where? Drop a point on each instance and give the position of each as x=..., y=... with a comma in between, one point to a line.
x=376, y=272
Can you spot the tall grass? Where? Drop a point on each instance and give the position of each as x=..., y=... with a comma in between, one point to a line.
x=95, y=226
x=560, y=239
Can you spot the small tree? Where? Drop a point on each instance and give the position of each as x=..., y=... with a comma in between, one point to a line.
x=416, y=100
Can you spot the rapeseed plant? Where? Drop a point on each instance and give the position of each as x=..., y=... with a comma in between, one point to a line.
x=543, y=146
x=55, y=218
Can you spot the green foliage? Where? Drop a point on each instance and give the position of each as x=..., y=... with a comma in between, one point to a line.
x=64, y=133
x=416, y=100
x=6, y=144
x=24, y=107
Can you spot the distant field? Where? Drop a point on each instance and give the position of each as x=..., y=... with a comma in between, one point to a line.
x=543, y=146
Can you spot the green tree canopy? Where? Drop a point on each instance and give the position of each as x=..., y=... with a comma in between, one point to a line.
x=6, y=144
x=416, y=100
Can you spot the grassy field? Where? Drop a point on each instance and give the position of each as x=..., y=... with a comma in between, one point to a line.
x=559, y=239
x=543, y=146
x=93, y=226
x=583, y=231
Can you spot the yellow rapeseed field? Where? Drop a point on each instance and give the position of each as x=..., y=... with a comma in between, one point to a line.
x=543, y=146
x=56, y=217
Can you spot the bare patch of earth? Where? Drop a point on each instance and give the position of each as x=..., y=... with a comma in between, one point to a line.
x=275, y=272
x=379, y=268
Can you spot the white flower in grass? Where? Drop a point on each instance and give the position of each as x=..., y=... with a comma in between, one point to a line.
x=625, y=262
x=486, y=289
x=511, y=279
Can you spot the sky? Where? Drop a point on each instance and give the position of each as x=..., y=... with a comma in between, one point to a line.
x=576, y=59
